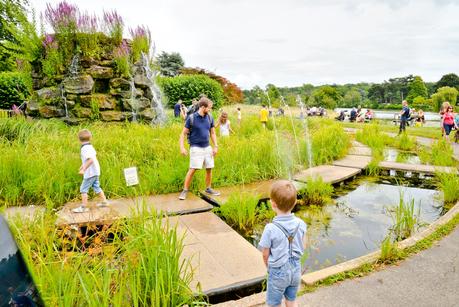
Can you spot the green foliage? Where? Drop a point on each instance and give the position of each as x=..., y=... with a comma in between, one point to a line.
x=141, y=41
x=121, y=60
x=450, y=80
x=329, y=142
x=52, y=62
x=326, y=96
x=443, y=94
x=449, y=184
x=442, y=153
x=405, y=219
x=14, y=89
x=351, y=98
x=95, y=111
x=416, y=88
x=82, y=270
x=316, y=192
x=243, y=212
x=189, y=87
x=405, y=142
x=390, y=252
x=170, y=63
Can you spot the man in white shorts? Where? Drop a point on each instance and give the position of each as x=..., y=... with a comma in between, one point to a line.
x=199, y=127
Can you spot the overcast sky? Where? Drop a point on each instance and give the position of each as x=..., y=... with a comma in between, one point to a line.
x=292, y=42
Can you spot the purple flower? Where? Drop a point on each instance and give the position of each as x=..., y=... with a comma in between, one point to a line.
x=49, y=42
x=61, y=17
x=122, y=50
x=140, y=32
x=87, y=23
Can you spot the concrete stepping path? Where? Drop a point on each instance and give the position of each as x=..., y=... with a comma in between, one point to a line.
x=360, y=151
x=417, y=168
x=221, y=258
x=169, y=204
x=360, y=162
x=329, y=173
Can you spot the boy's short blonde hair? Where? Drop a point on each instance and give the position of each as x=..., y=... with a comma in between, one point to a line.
x=283, y=193
x=84, y=135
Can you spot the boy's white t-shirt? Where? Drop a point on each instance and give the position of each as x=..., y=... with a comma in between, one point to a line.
x=88, y=152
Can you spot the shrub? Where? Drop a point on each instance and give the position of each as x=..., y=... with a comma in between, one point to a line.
x=405, y=142
x=389, y=251
x=441, y=153
x=121, y=60
x=14, y=89
x=316, y=192
x=113, y=26
x=189, y=87
x=141, y=40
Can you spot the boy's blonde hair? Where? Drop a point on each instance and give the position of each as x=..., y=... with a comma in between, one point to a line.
x=283, y=193
x=84, y=135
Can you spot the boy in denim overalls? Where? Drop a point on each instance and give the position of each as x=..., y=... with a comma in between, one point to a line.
x=282, y=246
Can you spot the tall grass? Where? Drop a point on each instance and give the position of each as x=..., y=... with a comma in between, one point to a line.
x=389, y=250
x=141, y=265
x=243, y=212
x=39, y=160
x=449, y=184
x=315, y=192
x=372, y=136
x=405, y=142
x=405, y=219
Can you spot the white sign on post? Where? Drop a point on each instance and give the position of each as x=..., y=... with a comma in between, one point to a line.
x=130, y=174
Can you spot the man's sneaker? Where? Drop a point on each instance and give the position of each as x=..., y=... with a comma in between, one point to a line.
x=103, y=204
x=183, y=195
x=80, y=209
x=212, y=192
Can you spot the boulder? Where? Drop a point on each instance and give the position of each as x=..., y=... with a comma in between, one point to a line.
x=51, y=111
x=87, y=62
x=120, y=83
x=139, y=104
x=48, y=96
x=111, y=116
x=82, y=112
x=100, y=72
x=81, y=84
x=142, y=81
x=106, y=63
x=104, y=102
x=148, y=114
x=33, y=108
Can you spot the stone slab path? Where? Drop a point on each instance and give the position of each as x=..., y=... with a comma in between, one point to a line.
x=360, y=151
x=418, y=168
x=220, y=257
x=355, y=161
x=329, y=173
x=169, y=204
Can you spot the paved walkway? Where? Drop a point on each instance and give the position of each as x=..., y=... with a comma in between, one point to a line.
x=430, y=278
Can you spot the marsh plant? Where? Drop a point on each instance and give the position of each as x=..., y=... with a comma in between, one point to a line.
x=405, y=142
x=315, y=192
x=442, y=153
x=406, y=219
x=40, y=159
x=449, y=185
x=389, y=250
x=244, y=212
x=133, y=262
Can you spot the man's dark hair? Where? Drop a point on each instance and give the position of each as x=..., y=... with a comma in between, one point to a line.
x=204, y=102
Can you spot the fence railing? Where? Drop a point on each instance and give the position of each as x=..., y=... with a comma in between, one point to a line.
x=6, y=113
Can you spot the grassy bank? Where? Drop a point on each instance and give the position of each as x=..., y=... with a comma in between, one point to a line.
x=134, y=262
x=40, y=159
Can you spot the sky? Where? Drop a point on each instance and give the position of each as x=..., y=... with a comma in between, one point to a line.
x=293, y=42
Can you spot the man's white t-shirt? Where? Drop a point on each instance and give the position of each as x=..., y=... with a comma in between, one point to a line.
x=88, y=152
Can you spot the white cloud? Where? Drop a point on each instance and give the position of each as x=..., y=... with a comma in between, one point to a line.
x=289, y=43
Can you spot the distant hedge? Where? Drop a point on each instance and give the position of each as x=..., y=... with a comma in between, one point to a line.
x=14, y=89
x=189, y=87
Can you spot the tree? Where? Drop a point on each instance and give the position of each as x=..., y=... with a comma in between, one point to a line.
x=443, y=94
x=352, y=98
x=416, y=88
x=170, y=63
x=326, y=96
x=232, y=93
x=451, y=80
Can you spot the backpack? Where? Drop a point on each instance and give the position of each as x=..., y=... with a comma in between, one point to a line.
x=193, y=109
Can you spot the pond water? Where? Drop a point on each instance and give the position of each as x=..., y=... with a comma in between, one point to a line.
x=359, y=218
x=394, y=155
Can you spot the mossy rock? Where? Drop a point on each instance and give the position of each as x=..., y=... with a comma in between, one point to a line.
x=81, y=112
x=100, y=72
x=48, y=96
x=111, y=116
x=51, y=111
x=104, y=102
x=81, y=84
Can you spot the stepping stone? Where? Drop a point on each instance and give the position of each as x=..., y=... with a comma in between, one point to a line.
x=354, y=161
x=24, y=213
x=168, y=204
x=417, y=168
x=360, y=151
x=221, y=258
x=329, y=173
x=260, y=189
x=357, y=144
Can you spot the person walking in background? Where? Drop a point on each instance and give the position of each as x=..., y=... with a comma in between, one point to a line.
x=239, y=116
x=448, y=121
x=199, y=126
x=282, y=245
x=90, y=170
x=264, y=116
x=178, y=108
x=445, y=105
x=224, y=124
x=404, y=116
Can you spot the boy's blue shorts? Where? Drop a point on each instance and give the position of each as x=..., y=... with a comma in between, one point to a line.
x=283, y=282
x=90, y=182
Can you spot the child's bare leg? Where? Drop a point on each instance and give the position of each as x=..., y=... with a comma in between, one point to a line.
x=102, y=196
x=84, y=199
x=291, y=303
